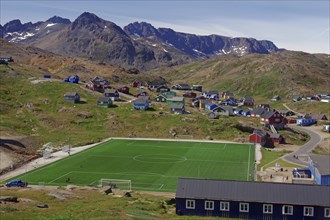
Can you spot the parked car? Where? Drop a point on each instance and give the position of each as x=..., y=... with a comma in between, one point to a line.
x=17, y=183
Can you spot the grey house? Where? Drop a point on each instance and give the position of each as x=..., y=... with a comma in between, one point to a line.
x=73, y=97
x=252, y=200
x=224, y=111
x=177, y=108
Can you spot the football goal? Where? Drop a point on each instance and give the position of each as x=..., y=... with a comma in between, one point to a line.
x=47, y=153
x=116, y=184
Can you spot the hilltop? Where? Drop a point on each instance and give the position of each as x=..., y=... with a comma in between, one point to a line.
x=285, y=73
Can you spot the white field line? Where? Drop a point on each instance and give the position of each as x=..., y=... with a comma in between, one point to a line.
x=248, y=169
x=130, y=143
x=161, y=186
x=60, y=177
x=224, y=147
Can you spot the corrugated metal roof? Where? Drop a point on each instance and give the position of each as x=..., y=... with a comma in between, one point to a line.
x=276, y=193
x=322, y=163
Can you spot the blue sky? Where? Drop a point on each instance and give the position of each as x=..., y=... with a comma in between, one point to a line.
x=295, y=25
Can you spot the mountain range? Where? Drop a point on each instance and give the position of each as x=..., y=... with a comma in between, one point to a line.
x=138, y=45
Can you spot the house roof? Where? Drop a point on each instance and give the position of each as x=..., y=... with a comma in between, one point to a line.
x=176, y=99
x=177, y=106
x=225, y=108
x=267, y=114
x=140, y=101
x=273, y=135
x=258, y=111
x=104, y=99
x=265, y=192
x=110, y=91
x=248, y=99
x=322, y=163
x=71, y=94
x=316, y=116
x=259, y=132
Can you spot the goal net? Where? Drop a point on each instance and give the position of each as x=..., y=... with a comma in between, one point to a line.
x=66, y=148
x=116, y=184
x=47, y=153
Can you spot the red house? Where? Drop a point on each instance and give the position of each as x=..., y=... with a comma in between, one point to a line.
x=258, y=136
x=136, y=83
x=123, y=89
x=277, y=138
x=272, y=118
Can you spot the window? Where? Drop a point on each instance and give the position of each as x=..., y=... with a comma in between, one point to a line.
x=244, y=207
x=190, y=204
x=308, y=211
x=209, y=205
x=327, y=212
x=268, y=208
x=287, y=210
x=224, y=206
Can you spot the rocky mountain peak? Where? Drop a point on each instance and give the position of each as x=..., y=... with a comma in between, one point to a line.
x=141, y=29
x=13, y=26
x=58, y=20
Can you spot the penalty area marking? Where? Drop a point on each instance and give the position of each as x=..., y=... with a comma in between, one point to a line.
x=61, y=176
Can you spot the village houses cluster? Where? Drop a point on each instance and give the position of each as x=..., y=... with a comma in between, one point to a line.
x=213, y=103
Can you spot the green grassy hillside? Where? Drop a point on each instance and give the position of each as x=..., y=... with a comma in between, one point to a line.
x=39, y=110
x=284, y=73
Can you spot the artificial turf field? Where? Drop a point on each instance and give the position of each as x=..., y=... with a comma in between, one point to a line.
x=150, y=165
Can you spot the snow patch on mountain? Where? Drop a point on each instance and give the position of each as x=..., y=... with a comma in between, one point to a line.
x=49, y=25
x=17, y=36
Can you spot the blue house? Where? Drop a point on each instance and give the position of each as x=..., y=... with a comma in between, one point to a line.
x=252, y=200
x=319, y=165
x=246, y=113
x=210, y=106
x=230, y=101
x=238, y=111
x=305, y=121
x=141, y=103
x=211, y=95
x=72, y=79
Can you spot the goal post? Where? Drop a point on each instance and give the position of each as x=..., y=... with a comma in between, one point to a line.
x=47, y=153
x=116, y=184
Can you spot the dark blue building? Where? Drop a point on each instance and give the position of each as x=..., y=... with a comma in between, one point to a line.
x=252, y=200
x=319, y=165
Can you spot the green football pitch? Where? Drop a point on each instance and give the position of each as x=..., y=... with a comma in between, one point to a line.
x=150, y=165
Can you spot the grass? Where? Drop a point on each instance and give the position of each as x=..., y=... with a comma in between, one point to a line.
x=87, y=204
x=150, y=165
x=270, y=158
x=39, y=110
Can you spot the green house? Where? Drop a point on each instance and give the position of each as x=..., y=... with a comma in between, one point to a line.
x=169, y=93
x=175, y=99
x=104, y=102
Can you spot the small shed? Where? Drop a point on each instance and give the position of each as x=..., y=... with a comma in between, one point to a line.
x=73, y=97
x=104, y=102
x=177, y=108
x=275, y=98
